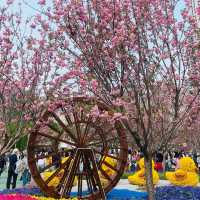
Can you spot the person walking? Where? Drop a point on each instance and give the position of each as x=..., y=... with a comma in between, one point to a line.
x=24, y=171
x=12, y=175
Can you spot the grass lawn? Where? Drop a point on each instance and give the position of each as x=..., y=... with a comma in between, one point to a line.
x=161, y=175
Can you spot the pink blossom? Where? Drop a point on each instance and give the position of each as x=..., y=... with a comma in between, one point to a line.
x=198, y=10
x=10, y=2
x=95, y=111
x=42, y=2
x=33, y=25
x=94, y=84
x=117, y=115
x=2, y=125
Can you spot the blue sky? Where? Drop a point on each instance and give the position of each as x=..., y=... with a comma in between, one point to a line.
x=29, y=11
x=179, y=7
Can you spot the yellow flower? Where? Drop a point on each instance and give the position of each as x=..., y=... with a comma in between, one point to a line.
x=56, y=180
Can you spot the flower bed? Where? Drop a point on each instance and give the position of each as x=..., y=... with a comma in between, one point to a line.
x=24, y=191
x=162, y=193
x=16, y=197
x=177, y=193
x=35, y=194
x=25, y=197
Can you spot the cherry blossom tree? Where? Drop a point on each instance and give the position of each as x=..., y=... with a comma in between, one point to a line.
x=26, y=75
x=134, y=55
x=192, y=127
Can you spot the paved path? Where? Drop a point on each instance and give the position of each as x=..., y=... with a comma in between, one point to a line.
x=3, y=179
x=123, y=184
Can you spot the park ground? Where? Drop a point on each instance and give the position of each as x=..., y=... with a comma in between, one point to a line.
x=123, y=183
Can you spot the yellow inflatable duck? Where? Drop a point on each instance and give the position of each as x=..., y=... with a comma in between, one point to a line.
x=108, y=170
x=56, y=180
x=186, y=175
x=139, y=178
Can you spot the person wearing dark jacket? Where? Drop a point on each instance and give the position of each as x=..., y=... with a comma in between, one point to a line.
x=12, y=175
x=2, y=163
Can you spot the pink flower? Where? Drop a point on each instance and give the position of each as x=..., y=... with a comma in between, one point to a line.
x=27, y=118
x=117, y=115
x=10, y=2
x=16, y=197
x=94, y=84
x=42, y=2
x=32, y=25
x=2, y=125
x=95, y=111
x=198, y=10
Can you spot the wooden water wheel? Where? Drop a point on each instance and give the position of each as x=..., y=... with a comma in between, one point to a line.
x=75, y=144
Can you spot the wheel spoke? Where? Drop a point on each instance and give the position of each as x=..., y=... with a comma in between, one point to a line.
x=60, y=122
x=89, y=183
x=67, y=117
x=56, y=138
x=53, y=175
x=80, y=185
x=87, y=128
x=105, y=174
x=93, y=135
x=62, y=166
x=66, y=171
x=65, y=175
x=101, y=142
x=68, y=182
x=55, y=129
x=77, y=124
x=110, y=166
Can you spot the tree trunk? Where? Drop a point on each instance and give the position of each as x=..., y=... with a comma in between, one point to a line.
x=149, y=176
x=164, y=162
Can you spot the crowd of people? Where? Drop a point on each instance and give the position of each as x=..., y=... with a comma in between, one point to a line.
x=16, y=166
x=163, y=162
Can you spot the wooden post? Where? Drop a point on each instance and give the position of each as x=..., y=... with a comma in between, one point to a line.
x=84, y=164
